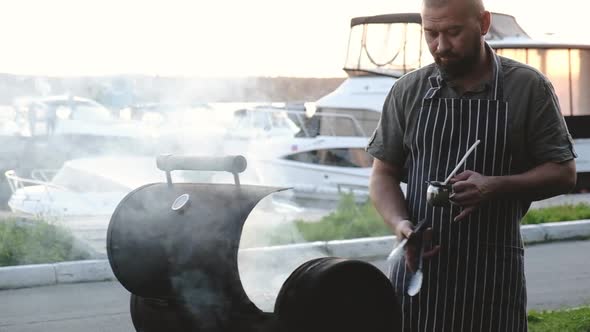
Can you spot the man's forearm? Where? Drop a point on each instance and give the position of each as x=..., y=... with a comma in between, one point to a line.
x=544, y=181
x=388, y=199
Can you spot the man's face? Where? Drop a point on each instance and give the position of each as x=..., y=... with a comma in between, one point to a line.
x=453, y=35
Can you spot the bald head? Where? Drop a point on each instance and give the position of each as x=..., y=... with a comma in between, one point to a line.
x=473, y=7
x=454, y=31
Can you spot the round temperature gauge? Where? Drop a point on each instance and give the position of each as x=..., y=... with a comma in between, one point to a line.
x=181, y=203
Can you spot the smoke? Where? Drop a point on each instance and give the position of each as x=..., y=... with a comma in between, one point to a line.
x=264, y=266
x=263, y=271
x=202, y=298
x=100, y=162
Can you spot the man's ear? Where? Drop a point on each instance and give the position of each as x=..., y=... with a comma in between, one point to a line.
x=485, y=21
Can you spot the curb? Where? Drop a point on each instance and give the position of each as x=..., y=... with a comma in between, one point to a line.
x=12, y=277
x=59, y=273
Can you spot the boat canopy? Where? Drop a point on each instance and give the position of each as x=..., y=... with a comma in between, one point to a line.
x=393, y=44
x=387, y=19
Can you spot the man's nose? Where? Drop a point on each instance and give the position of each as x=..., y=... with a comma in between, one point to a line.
x=443, y=44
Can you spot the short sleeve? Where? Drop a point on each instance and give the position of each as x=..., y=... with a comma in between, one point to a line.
x=547, y=139
x=387, y=141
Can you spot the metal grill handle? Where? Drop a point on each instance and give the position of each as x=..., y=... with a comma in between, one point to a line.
x=232, y=164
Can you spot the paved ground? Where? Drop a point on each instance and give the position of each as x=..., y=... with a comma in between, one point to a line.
x=558, y=276
x=99, y=307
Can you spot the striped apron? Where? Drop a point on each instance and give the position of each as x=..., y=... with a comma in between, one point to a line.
x=476, y=282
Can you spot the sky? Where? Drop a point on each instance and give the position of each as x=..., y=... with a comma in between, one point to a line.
x=215, y=38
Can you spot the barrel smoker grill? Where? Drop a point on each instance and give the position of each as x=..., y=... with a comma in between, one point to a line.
x=174, y=247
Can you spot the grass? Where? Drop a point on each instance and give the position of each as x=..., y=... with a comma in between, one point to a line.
x=348, y=221
x=570, y=320
x=557, y=213
x=36, y=242
x=351, y=220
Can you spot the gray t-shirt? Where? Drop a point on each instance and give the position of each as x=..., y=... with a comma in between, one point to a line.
x=537, y=127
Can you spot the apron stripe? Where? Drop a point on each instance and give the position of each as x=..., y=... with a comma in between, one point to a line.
x=503, y=240
x=440, y=220
x=415, y=184
x=497, y=76
x=505, y=217
x=523, y=285
x=514, y=282
x=434, y=225
x=449, y=219
x=478, y=223
x=457, y=263
x=420, y=185
x=497, y=226
x=397, y=273
x=519, y=288
x=428, y=284
x=464, y=317
x=487, y=231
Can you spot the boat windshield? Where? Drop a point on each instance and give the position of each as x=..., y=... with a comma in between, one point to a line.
x=341, y=157
x=390, y=49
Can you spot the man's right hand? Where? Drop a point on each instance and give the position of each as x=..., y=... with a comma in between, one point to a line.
x=405, y=229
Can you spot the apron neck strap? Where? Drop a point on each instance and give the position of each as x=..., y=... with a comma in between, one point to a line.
x=435, y=85
x=498, y=77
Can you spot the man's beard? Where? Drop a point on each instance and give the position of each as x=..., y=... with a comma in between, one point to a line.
x=458, y=66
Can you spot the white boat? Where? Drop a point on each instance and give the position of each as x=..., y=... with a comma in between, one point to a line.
x=319, y=168
x=68, y=115
x=83, y=193
x=327, y=161
x=383, y=48
x=81, y=187
x=287, y=150
x=263, y=122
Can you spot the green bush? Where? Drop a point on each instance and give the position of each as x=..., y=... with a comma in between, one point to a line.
x=351, y=220
x=36, y=242
x=571, y=320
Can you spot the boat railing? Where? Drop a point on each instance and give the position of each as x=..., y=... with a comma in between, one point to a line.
x=303, y=120
x=43, y=175
x=308, y=125
x=16, y=182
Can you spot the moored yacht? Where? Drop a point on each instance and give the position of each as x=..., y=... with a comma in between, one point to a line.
x=383, y=48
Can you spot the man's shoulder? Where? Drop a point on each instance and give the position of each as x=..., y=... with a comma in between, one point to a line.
x=521, y=71
x=416, y=78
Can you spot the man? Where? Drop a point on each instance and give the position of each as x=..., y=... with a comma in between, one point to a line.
x=432, y=116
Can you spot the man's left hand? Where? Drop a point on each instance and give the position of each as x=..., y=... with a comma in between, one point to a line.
x=470, y=189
